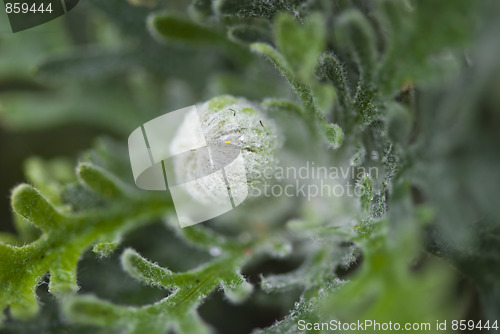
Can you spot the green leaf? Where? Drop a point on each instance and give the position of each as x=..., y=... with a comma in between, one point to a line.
x=177, y=310
x=302, y=90
x=365, y=104
x=417, y=35
x=63, y=272
x=272, y=105
x=354, y=31
x=248, y=34
x=301, y=45
x=105, y=249
x=386, y=283
x=305, y=310
x=100, y=181
x=332, y=132
x=237, y=289
x=177, y=29
x=334, y=135
x=399, y=122
x=204, y=238
x=450, y=155
x=325, y=96
x=31, y=205
x=10, y=239
x=90, y=310
x=256, y=8
x=49, y=176
x=333, y=70
x=145, y=271
x=315, y=272
x=366, y=189
x=65, y=236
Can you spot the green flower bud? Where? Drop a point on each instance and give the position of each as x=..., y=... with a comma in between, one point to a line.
x=228, y=120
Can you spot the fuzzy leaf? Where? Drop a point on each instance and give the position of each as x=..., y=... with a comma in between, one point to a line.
x=387, y=284
x=105, y=249
x=90, y=310
x=306, y=309
x=325, y=96
x=272, y=105
x=65, y=236
x=178, y=310
x=333, y=70
x=302, y=90
x=313, y=273
x=237, y=289
x=366, y=188
x=63, y=272
x=31, y=205
x=334, y=135
x=256, y=8
x=145, y=271
x=100, y=180
x=354, y=30
x=49, y=176
x=449, y=162
x=301, y=45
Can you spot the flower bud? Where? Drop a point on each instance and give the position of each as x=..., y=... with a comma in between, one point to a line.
x=227, y=120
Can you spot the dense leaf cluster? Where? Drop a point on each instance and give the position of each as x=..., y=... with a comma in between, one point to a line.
x=408, y=87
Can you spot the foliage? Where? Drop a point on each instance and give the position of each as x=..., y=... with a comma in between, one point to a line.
x=407, y=87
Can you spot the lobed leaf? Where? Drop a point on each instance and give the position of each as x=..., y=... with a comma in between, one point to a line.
x=105, y=249
x=145, y=271
x=177, y=310
x=301, y=45
x=237, y=289
x=354, y=31
x=100, y=181
x=302, y=90
x=65, y=236
x=331, y=68
x=273, y=105
x=34, y=207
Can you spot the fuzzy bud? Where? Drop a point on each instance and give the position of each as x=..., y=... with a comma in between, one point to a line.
x=227, y=120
